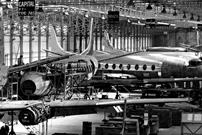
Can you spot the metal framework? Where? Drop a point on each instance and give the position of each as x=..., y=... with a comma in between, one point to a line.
x=72, y=21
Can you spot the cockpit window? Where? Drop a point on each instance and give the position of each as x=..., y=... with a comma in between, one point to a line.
x=195, y=62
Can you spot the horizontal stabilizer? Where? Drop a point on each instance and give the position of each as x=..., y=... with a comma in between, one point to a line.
x=195, y=48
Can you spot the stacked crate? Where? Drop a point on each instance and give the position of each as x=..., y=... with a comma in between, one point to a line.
x=165, y=117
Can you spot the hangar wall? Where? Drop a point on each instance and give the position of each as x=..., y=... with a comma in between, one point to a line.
x=29, y=40
x=186, y=36
x=28, y=36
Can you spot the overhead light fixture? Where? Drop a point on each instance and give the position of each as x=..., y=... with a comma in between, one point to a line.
x=192, y=17
x=40, y=9
x=184, y=16
x=198, y=19
x=164, y=9
x=149, y=7
x=175, y=12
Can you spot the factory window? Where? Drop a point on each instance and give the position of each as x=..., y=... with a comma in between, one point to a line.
x=113, y=66
x=136, y=66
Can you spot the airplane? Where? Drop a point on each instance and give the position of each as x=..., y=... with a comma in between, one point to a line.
x=38, y=76
x=147, y=64
x=143, y=69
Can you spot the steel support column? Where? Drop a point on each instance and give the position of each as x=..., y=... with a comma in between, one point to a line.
x=47, y=38
x=11, y=39
x=61, y=30
x=121, y=36
x=68, y=42
x=21, y=37
x=131, y=38
x=127, y=36
x=142, y=37
x=137, y=38
x=30, y=42
x=96, y=38
x=100, y=29
x=39, y=41
x=124, y=35
x=134, y=38
x=75, y=43
x=80, y=42
x=2, y=61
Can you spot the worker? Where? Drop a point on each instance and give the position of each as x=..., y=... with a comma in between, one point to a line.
x=4, y=130
x=117, y=92
x=117, y=95
x=20, y=60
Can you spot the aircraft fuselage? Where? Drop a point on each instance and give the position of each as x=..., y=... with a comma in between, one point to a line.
x=153, y=65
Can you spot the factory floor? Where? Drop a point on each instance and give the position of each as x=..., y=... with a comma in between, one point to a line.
x=73, y=124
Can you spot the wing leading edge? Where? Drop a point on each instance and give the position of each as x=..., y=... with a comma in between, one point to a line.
x=19, y=105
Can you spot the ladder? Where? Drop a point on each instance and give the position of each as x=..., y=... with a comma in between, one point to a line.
x=32, y=130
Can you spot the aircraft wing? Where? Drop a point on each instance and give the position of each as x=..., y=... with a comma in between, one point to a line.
x=37, y=63
x=118, y=56
x=59, y=54
x=195, y=48
x=19, y=105
x=136, y=81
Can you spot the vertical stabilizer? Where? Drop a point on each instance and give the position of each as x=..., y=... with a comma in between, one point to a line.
x=108, y=46
x=54, y=44
x=89, y=49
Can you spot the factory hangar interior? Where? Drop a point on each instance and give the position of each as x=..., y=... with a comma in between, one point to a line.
x=100, y=67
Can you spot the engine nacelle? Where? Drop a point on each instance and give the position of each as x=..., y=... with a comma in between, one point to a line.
x=34, y=84
x=34, y=115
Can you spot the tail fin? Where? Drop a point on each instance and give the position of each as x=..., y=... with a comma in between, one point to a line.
x=108, y=46
x=54, y=44
x=89, y=49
